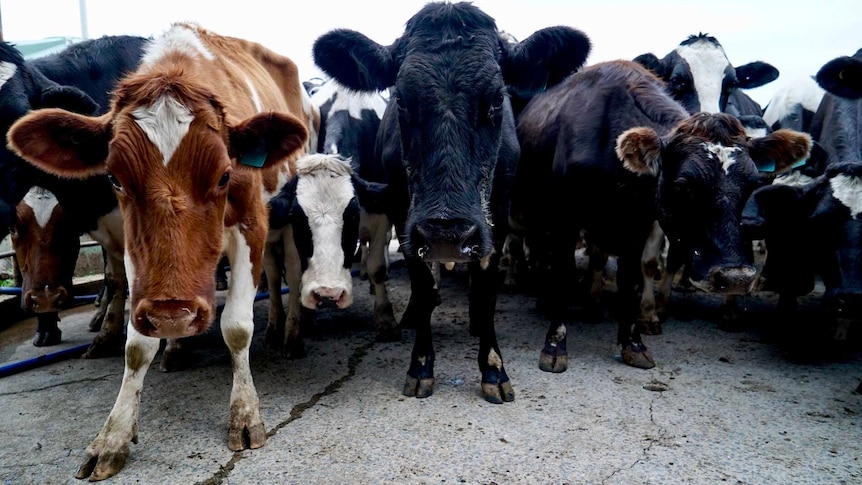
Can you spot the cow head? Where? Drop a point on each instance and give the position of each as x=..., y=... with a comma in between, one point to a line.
x=176, y=161
x=449, y=116
x=46, y=247
x=24, y=88
x=815, y=228
x=699, y=76
x=321, y=204
x=706, y=168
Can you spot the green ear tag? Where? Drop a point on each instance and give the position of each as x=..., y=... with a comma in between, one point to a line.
x=255, y=156
x=799, y=163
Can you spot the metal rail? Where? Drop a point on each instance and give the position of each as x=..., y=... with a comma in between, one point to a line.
x=11, y=254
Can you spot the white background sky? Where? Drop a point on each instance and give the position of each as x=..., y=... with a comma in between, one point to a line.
x=795, y=36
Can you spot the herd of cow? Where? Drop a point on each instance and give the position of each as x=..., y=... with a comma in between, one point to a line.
x=175, y=151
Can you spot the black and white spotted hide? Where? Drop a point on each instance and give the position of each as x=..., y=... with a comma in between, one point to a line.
x=322, y=204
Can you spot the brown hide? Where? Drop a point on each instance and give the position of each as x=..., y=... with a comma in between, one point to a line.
x=238, y=99
x=46, y=251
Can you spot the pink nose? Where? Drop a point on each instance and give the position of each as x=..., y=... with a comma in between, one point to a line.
x=45, y=300
x=327, y=297
x=172, y=318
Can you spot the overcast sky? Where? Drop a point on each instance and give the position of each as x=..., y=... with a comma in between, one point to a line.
x=797, y=37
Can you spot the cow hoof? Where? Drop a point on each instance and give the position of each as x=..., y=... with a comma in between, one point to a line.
x=242, y=436
x=555, y=363
x=637, y=355
x=653, y=327
x=420, y=388
x=389, y=334
x=48, y=338
x=498, y=392
x=105, y=346
x=99, y=466
x=294, y=349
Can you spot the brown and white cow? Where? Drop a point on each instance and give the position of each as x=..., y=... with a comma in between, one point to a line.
x=174, y=144
x=46, y=247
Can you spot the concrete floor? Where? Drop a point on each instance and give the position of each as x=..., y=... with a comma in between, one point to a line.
x=734, y=408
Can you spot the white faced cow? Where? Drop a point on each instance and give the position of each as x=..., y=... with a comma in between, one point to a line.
x=447, y=142
x=176, y=145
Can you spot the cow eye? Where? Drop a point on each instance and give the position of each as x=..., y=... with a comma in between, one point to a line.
x=498, y=101
x=678, y=83
x=115, y=182
x=225, y=178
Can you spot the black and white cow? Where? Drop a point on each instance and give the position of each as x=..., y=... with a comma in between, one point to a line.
x=793, y=105
x=78, y=79
x=611, y=133
x=319, y=210
x=814, y=229
x=448, y=145
x=349, y=121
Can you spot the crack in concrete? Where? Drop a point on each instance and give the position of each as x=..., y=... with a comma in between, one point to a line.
x=353, y=362
x=662, y=433
x=79, y=381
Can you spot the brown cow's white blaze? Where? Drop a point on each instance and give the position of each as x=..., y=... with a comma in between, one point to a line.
x=173, y=144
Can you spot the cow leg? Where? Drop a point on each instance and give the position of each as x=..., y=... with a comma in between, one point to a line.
x=221, y=274
x=246, y=429
x=47, y=331
x=633, y=351
x=273, y=269
x=380, y=230
x=554, y=357
x=423, y=299
x=297, y=315
x=107, y=454
x=109, y=340
x=484, y=284
x=598, y=260
x=175, y=356
x=649, y=320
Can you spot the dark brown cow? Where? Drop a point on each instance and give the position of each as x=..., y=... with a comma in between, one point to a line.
x=46, y=247
x=174, y=144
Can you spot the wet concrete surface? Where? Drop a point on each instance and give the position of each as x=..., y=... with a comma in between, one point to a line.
x=719, y=407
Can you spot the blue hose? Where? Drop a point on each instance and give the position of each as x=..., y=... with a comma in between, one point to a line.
x=60, y=355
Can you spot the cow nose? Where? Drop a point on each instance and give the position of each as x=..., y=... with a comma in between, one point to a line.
x=445, y=240
x=732, y=280
x=327, y=297
x=172, y=318
x=48, y=299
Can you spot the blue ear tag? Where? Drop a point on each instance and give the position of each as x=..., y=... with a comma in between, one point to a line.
x=255, y=157
x=799, y=163
x=770, y=166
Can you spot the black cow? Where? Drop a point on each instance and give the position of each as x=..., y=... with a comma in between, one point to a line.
x=813, y=229
x=698, y=75
x=448, y=145
x=78, y=79
x=612, y=139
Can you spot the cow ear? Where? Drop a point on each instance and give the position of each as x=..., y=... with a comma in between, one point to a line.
x=543, y=59
x=354, y=60
x=62, y=143
x=372, y=195
x=651, y=62
x=281, y=205
x=755, y=74
x=68, y=98
x=842, y=77
x=267, y=138
x=640, y=150
x=780, y=150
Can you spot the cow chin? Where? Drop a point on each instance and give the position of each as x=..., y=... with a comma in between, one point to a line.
x=736, y=280
x=172, y=318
